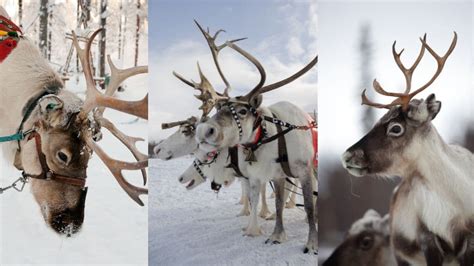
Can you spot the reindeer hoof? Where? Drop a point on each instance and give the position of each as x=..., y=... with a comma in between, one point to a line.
x=264, y=214
x=274, y=242
x=253, y=232
x=243, y=213
x=271, y=217
x=290, y=205
x=310, y=251
x=277, y=238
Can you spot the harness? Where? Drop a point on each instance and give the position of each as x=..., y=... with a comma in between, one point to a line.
x=197, y=163
x=47, y=173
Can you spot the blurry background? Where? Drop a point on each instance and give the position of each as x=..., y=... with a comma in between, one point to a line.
x=355, y=42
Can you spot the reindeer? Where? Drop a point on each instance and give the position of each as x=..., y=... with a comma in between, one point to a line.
x=432, y=210
x=366, y=243
x=242, y=121
x=56, y=131
x=181, y=143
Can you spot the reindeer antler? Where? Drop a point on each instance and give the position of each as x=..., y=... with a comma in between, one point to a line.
x=215, y=49
x=403, y=99
x=95, y=99
x=190, y=121
x=209, y=97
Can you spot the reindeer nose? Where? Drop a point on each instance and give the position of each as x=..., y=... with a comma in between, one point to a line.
x=346, y=157
x=216, y=187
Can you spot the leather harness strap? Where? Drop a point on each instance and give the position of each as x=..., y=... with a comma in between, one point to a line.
x=282, y=151
x=234, y=161
x=48, y=174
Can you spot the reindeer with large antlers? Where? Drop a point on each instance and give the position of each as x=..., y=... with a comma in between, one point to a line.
x=242, y=121
x=56, y=132
x=183, y=141
x=432, y=210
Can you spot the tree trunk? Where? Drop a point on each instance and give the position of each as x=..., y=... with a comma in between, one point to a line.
x=103, y=21
x=20, y=13
x=137, y=35
x=43, y=28
x=120, y=31
x=50, y=32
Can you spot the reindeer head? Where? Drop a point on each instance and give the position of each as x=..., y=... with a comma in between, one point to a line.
x=63, y=130
x=394, y=143
x=212, y=165
x=180, y=143
x=234, y=121
x=57, y=146
x=366, y=243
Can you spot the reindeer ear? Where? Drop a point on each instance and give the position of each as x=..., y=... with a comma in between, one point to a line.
x=51, y=110
x=256, y=101
x=434, y=106
x=421, y=111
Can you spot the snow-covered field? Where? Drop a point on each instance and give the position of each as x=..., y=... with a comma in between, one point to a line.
x=199, y=227
x=115, y=229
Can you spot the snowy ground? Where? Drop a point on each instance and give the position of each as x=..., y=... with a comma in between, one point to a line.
x=199, y=228
x=115, y=229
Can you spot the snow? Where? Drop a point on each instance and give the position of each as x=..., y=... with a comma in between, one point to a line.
x=199, y=227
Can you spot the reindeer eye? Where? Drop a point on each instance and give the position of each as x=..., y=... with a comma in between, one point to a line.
x=395, y=130
x=243, y=112
x=366, y=242
x=63, y=157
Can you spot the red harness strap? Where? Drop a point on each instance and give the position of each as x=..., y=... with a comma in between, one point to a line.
x=48, y=174
x=314, y=137
x=9, y=36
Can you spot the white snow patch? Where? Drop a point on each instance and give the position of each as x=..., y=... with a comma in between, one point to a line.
x=199, y=228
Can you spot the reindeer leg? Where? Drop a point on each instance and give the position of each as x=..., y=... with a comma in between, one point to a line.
x=264, y=212
x=292, y=202
x=244, y=193
x=279, y=234
x=253, y=229
x=312, y=244
x=245, y=199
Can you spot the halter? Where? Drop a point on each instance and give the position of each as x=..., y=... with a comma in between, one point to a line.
x=48, y=174
x=197, y=163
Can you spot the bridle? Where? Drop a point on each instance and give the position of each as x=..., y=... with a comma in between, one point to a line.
x=48, y=174
x=212, y=157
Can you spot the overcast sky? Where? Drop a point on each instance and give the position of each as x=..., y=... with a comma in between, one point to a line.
x=282, y=36
x=338, y=71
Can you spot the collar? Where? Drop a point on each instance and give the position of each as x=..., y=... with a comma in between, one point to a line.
x=27, y=111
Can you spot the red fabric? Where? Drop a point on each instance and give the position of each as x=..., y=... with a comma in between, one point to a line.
x=6, y=47
x=8, y=25
x=8, y=44
x=314, y=136
x=258, y=134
